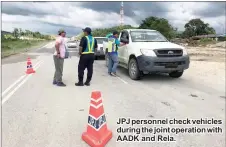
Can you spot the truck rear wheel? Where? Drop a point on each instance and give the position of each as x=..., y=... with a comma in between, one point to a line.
x=134, y=71
x=176, y=74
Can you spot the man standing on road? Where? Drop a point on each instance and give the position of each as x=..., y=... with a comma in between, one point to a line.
x=87, y=47
x=58, y=58
x=113, y=44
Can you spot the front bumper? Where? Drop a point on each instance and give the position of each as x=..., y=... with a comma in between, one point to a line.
x=71, y=46
x=159, y=64
x=99, y=53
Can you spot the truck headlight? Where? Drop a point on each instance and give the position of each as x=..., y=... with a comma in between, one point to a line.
x=148, y=52
x=185, y=52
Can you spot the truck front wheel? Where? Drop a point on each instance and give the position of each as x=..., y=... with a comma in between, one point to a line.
x=176, y=74
x=134, y=71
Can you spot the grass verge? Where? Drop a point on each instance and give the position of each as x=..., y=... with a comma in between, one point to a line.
x=12, y=47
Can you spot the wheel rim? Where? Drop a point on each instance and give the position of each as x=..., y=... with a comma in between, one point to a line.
x=133, y=69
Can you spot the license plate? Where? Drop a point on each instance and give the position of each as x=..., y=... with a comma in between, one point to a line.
x=171, y=65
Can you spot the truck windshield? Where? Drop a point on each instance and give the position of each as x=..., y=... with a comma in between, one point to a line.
x=147, y=36
x=100, y=40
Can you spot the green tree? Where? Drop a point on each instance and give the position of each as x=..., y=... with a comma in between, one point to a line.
x=16, y=33
x=160, y=24
x=103, y=32
x=37, y=35
x=197, y=27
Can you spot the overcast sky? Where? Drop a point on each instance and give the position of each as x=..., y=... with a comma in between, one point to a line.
x=48, y=17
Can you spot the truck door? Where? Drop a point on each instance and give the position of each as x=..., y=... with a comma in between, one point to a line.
x=122, y=52
x=120, y=49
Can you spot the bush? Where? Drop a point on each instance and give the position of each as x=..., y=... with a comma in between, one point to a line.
x=222, y=39
x=204, y=40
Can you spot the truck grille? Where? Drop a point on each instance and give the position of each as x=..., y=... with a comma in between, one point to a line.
x=169, y=52
x=165, y=63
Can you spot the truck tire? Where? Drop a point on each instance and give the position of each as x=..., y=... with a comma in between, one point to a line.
x=134, y=71
x=176, y=74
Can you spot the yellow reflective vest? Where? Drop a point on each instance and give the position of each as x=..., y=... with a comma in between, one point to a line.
x=90, y=45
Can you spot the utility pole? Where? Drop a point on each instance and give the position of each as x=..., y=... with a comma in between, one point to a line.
x=121, y=15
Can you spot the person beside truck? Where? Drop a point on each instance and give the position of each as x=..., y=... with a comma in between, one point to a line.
x=113, y=44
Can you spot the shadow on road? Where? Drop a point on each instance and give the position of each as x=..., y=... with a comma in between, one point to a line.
x=152, y=77
x=17, y=58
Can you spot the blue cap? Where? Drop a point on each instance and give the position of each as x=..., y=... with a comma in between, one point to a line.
x=87, y=29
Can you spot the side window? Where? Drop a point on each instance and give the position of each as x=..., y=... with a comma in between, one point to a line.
x=122, y=35
x=127, y=35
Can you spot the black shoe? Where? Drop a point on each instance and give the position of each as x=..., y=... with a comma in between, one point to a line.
x=79, y=84
x=87, y=83
x=61, y=84
x=54, y=82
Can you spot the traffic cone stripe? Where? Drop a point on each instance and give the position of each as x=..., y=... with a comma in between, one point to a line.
x=96, y=123
x=96, y=118
x=29, y=66
x=104, y=124
x=96, y=107
x=92, y=99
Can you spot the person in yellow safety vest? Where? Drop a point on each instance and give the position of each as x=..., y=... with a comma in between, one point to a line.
x=87, y=47
x=113, y=44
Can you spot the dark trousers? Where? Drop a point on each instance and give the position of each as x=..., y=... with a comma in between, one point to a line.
x=85, y=61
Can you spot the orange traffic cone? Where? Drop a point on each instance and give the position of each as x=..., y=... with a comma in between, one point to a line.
x=30, y=69
x=97, y=134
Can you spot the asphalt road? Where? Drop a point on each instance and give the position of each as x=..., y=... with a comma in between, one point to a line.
x=37, y=114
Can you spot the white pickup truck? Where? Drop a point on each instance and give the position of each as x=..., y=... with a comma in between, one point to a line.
x=100, y=52
x=148, y=51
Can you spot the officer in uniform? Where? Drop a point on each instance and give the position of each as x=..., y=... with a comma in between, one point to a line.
x=87, y=47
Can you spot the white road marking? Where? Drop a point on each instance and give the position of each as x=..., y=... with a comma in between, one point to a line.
x=19, y=85
x=11, y=86
x=122, y=80
x=51, y=43
x=16, y=82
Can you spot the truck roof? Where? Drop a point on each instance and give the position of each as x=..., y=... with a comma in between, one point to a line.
x=139, y=30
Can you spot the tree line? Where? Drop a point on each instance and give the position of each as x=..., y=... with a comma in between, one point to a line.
x=194, y=27
x=18, y=33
